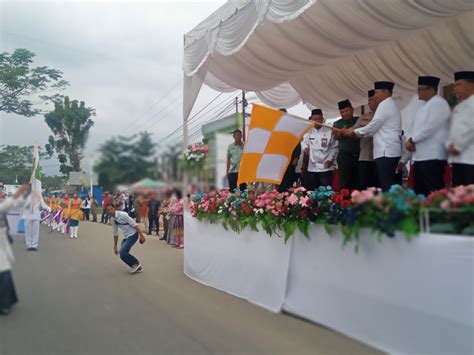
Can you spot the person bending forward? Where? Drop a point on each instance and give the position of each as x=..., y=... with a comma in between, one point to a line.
x=131, y=233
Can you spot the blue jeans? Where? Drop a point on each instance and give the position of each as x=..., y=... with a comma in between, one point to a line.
x=125, y=247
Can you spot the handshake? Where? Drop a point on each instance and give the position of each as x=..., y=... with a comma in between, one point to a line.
x=345, y=132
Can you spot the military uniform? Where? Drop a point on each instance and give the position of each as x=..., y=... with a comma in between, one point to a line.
x=348, y=156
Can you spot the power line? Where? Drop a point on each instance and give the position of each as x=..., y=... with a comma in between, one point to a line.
x=196, y=123
x=135, y=121
x=197, y=132
x=190, y=119
x=196, y=126
x=163, y=116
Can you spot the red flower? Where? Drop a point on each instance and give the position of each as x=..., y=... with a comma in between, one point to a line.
x=337, y=198
x=345, y=192
x=345, y=203
x=303, y=213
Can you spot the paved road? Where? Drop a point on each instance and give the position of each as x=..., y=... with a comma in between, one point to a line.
x=77, y=298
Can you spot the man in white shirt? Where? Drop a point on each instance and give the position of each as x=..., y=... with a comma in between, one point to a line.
x=32, y=216
x=131, y=233
x=386, y=128
x=428, y=137
x=320, y=146
x=367, y=167
x=461, y=135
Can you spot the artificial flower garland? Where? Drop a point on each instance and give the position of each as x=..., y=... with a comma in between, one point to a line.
x=284, y=213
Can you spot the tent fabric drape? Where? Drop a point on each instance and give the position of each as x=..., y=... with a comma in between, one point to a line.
x=326, y=50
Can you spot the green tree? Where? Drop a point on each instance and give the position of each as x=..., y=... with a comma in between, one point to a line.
x=70, y=123
x=52, y=183
x=16, y=162
x=170, y=163
x=125, y=160
x=19, y=83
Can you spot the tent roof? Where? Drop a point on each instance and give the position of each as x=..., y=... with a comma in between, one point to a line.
x=326, y=50
x=146, y=182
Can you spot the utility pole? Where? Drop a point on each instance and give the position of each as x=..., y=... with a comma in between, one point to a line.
x=244, y=104
x=91, y=181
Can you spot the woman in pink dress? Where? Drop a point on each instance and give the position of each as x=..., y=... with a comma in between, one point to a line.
x=178, y=223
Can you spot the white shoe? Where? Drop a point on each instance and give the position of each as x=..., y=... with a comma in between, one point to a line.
x=136, y=269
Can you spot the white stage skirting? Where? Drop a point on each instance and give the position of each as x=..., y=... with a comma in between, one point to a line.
x=401, y=297
x=248, y=265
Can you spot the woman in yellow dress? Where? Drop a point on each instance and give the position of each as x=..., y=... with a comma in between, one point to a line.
x=65, y=213
x=75, y=214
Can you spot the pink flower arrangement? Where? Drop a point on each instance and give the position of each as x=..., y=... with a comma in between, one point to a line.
x=195, y=154
x=457, y=197
x=385, y=212
x=371, y=194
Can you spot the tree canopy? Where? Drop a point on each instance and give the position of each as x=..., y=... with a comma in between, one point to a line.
x=20, y=83
x=125, y=160
x=15, y=162
x=70, y=123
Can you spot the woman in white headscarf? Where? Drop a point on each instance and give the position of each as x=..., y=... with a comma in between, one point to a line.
x=8, y=295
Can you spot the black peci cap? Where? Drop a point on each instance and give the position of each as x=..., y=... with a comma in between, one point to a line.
x=464, y=75
x=385, y=85
x=432, y=81
x=343, y=104
x=316, y=111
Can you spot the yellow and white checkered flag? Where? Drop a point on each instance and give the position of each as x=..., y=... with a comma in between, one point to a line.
x=272, y=137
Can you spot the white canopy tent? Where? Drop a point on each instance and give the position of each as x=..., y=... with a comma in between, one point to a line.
x=322, y=51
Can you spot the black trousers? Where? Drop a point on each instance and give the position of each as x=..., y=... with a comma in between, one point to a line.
x=463, y=174
x=386, y=170
x=105, y=217
x=428, y=176
x=289, y=179
x=348, y=170
x=153, y=220
x=87, y=214
x=368, y=176
x=316, y=179
x=8, y=296
x=233, y=177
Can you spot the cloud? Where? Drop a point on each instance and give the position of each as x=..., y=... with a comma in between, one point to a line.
x=120, y=58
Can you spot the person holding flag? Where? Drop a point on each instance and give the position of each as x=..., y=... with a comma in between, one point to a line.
x=33, y=207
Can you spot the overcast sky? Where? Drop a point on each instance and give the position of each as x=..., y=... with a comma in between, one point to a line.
x=121, y=58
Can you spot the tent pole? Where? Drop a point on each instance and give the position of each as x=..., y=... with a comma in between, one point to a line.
x=185, y=145
x=243, y=115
